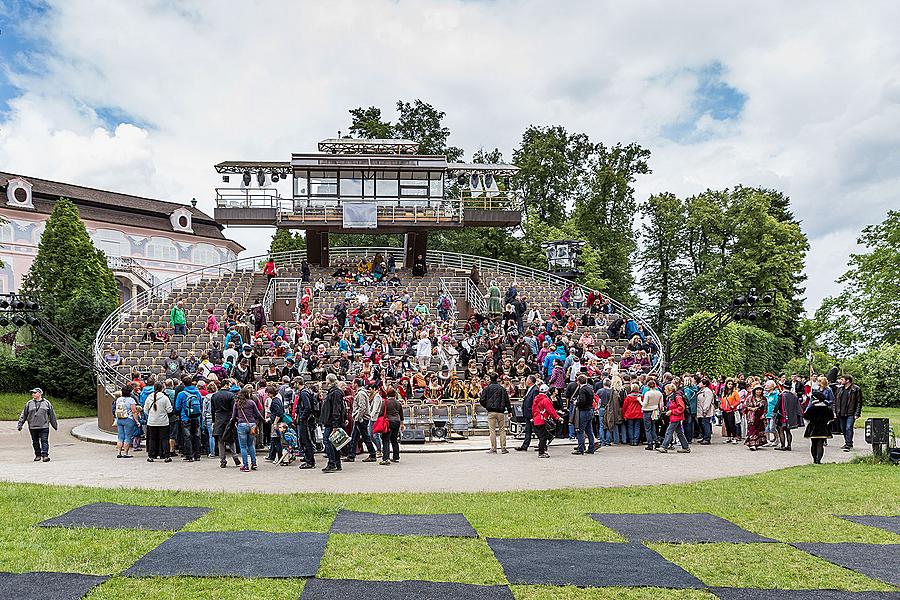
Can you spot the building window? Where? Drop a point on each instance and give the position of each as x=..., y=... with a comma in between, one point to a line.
x=6, y=232
x=161, y=249
x=204, y=254
x=386, y=185
x=351, y=184
x=323, y=183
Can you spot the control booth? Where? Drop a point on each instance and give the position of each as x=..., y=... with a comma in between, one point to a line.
x=367, y=186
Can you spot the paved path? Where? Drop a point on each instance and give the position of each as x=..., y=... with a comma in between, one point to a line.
x=83, y=463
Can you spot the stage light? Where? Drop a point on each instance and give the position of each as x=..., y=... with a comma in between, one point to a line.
x=767, y=299
x=474, y=183
x=739, y=301
x=767, y=314
x=752, y=298
x=261, y=178
x=4, y=322
x=29, y=305
x=225, y=178
x=275, y=177
x=488, y=180
x=34, y=322
x=18, y=321
x=751, y=316
x=246, y=178
x=4, y=303
x=18, y=305
x=461, y=180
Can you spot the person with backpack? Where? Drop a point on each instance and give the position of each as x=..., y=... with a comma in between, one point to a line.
x=583, y=415
x=542, y=412
x=125, y=421
x=157, y=408
x=332, y=416
x=674, y=405
x=40, y=416
x=189, y=403
x=305, y=416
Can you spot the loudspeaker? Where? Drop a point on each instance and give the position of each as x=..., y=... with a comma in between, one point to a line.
x=439, y=431
x=877, y=431
x=412, y=436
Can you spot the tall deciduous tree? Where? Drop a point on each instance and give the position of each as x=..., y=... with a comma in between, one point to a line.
x=865, y=312
x=417, y=121
x=662, y=259
x=367, y=123
x=284, y=240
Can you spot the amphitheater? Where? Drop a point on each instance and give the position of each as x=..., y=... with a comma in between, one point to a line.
x=242, y=281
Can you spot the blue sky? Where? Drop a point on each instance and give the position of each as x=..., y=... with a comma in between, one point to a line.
x=144, y=96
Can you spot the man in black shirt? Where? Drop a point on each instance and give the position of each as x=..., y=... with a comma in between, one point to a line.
x=333, y=416
x=221, y=406
x=495, y=399
x=527, y=404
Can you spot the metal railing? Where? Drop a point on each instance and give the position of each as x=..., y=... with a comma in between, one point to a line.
x=492, y=199
x=108, y=376
x=404, y=211
x=475, y=298
x=124, y=264
x=246, y=197
x=446, y=288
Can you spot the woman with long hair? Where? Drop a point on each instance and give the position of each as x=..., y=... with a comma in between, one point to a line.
x=755, y=413
x=729, y=402
x=246, y=414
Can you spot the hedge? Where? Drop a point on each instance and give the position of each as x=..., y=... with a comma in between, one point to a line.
x=737, y=348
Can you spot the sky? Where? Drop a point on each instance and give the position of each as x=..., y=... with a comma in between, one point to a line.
x=145, y=96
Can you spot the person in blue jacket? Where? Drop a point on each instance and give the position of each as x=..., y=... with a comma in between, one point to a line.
x=189, y=404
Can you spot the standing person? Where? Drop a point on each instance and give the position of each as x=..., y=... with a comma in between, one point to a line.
x=675, y=413
x=423, y=352
x=222, y=407
x=157, y=407
x=276, y=416
x=376, y=406
x=755, y=408
x=651, y=404
x=730, y=403
x=542, y=410
x=246, y=414
x=270, y=270
x=306, y=421
x=532, y=390
x=125, y=421
x=177, y=318
x=361, y=417
x=39, y=414
x=583, y=402
x=189, y=404
x=848, y=405
x=772, y=397
x=706, y=407
x=494, y=307
x=819, y=414
x=390, y=441
x=788, y=415
x=495, y=399
x=332, y=417
x=305, y=273
x=632, y=412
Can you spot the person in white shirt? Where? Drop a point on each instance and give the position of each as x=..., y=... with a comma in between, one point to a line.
x=423, y=352
x=706, y=407
x=158, y=407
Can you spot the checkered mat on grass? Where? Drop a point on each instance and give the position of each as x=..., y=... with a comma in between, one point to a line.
x=544, y=562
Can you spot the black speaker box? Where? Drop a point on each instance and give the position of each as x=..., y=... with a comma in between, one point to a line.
x=412, y=436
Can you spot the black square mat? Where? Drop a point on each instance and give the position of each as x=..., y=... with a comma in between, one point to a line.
x=234, y=553
x=677, y=528
x=891, y=524
x=342, y=589
x=879, y=561
x=755, y=594
x=455, y=525
x=569, y=562
x=47, y=586
x=125, y=516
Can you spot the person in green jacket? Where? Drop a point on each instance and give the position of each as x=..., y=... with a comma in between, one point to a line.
x=494, y=307
x=177, y=318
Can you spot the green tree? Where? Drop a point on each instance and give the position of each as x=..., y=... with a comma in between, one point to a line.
x=551, y=165
x=367, y=124
x=662, y=259
x=284, y=240
x=76, y=291
x=865, y=312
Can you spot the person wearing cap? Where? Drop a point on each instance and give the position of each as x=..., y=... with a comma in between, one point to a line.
x=819, y=414
x=39, y=414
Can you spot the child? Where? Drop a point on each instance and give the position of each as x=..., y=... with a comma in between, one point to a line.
x=161, y=334
x=289, y=443
x=139, y=430
x=212, y=323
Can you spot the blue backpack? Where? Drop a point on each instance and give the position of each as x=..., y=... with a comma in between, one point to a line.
x=194, y=404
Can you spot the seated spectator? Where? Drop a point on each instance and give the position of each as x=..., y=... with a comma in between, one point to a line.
x=162, y=334
x=112, y=357
x=149, y=334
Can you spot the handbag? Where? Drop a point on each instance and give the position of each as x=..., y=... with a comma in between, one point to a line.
x=253, y=430
x=338, y=438
x=382, y=425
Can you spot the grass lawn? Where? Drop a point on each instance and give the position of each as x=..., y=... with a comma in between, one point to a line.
x=11, y=407
x=791, y=505
x=870, y=412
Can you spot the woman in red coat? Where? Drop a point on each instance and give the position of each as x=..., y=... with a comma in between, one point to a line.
x=675, y=412
x=541, y=410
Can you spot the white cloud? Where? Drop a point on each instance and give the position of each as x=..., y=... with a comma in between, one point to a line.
x=202, y=82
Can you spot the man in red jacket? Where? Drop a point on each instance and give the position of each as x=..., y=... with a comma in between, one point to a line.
x=675, y=412
x=541, y=410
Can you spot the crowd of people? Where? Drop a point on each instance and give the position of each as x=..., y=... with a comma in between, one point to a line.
x=380, y=350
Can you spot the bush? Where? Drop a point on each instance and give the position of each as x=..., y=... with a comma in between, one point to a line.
x=877, y=372
x=722, y=353
x=15, y=376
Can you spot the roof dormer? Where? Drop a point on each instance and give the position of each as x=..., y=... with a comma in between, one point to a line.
x=18, y=193
x=181, y=220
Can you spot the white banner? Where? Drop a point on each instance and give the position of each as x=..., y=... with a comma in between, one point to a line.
x=360, y=215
